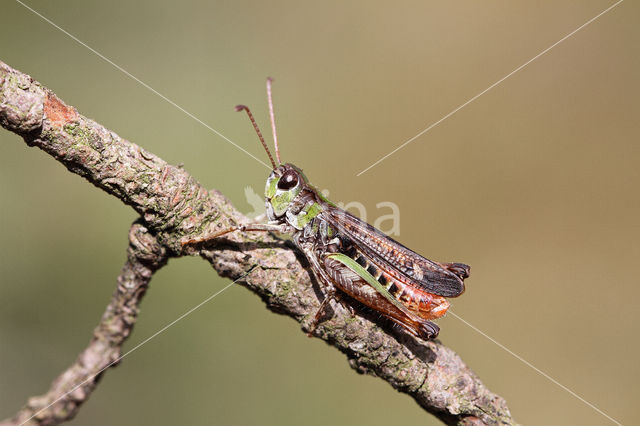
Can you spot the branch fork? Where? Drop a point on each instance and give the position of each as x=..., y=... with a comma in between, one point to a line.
x=174, y=207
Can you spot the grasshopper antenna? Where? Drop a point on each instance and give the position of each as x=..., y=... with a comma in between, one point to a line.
x=255, y=126
x=273, y=119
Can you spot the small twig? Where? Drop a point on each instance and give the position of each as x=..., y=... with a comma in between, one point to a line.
x=76, y=383
x=173, y=205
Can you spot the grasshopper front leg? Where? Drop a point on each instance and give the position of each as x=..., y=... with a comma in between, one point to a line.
x=262, y=227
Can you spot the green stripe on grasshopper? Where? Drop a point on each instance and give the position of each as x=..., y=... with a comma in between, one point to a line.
x=308, y=214
x=362, y=273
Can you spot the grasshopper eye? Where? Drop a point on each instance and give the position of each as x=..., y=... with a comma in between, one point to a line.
x=288, y=180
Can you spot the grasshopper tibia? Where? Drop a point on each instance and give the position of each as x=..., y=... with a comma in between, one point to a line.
x=428, y=330
x=264, y=227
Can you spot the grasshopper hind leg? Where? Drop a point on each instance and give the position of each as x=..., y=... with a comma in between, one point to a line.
x=330, y=294
x=330, y=290
x=328, y=297
x=417, y=327
x=428, y=330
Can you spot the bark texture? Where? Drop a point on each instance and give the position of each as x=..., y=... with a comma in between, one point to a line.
x=172, y=205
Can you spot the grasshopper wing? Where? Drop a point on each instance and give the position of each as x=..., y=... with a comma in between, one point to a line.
x=442, y=279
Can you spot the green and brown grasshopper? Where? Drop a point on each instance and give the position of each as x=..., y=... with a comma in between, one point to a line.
x=350, y=256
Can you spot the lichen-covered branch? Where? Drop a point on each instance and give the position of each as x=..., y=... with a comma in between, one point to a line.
x=173, y=205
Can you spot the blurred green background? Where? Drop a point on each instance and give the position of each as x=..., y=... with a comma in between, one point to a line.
x=535, y=184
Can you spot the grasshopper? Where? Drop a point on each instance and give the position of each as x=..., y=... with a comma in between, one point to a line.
x=349, y=256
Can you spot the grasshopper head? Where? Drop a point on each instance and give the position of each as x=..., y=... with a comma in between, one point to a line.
x=283, y=186
x=286, y=181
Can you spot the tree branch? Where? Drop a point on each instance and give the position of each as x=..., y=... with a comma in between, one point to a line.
x=173, y=205
x=75, y=384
